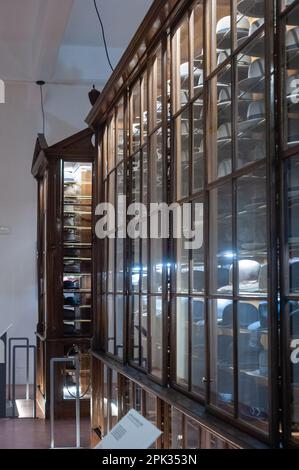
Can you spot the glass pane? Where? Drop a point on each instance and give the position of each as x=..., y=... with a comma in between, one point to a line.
x=198, y=29
x=156, y=167
x=111, y=324
x=181, y=66
x=182, y=266
x=114, y=399
x=156, y=336
x=253, y=362
x=144, y=107
x=223, y=29
x=120, y=130
x=182, y=150
x=177, y=438
x=293, y=222
x=198, y=364
x=156, y=261
x=135, y=333
x=198, y=252
x=220, y=125
x=111, y=145
x=221, y=247
x=119, y=264
x=253, y=10
x=252, y=233
x=198, y=148
x=111, y=267
x=135, y=268
x=221, y=360
x=136, y=116
x=119, y=318
x=292, y=77
x=156, y=102
x=182, y=341
x=192, y=434
x=293, y=308
x=144, y=331
x=251, y=127
x=136, y=178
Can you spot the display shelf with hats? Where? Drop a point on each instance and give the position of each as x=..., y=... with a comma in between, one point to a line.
x=64, y=173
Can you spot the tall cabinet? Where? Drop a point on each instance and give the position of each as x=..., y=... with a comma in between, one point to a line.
x=64, y=173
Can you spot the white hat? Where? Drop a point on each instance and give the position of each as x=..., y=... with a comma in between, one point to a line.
x=224, y=104
x=256, y=48
x=256, y=78
x=292, y=88
x=252, y=8
x=223, y=30
x=255, y=117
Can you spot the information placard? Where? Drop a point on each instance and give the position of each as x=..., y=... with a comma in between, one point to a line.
x=131, y=432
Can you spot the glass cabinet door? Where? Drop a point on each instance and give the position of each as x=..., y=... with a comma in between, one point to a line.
x=77, y=240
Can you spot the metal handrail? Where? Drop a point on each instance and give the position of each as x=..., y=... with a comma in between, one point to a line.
x=14, y=377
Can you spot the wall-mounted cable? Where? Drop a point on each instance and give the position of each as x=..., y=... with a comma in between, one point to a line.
x=41, y=83
x=103, y=33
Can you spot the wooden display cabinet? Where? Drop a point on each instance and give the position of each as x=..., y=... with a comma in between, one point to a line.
x=64, y=173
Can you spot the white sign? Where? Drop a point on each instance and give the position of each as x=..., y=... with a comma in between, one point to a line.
x=132, y=432
x=2, y=92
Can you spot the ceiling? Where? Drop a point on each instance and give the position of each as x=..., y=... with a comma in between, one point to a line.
x=61, y=40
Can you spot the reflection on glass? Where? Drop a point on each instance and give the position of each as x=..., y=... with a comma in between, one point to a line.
x=120, y=130
x=181, y=66
x=111, y=145
x=293, y=309
x=198, y=363
x=198, y=45
x=220, y=130
x=221, y=250
x=143, y=331
x=113, y=402
x=144, y=108
x=182, y=149
x=177, y=438
x=135, y=336
x=252, y=233
x=253, y=362
x=111, y=324
x=292, y=77
x=156, y=102
x=198, y=157
x=293, y=222
x=192, y=434
x=251, y=127
x=221, y=358
x=136, y=116
x=156, y=265
x=119, y=318
x=198, y=253
x=156, y=167
x=182, y=341
x=156, y=321
x=182, y=266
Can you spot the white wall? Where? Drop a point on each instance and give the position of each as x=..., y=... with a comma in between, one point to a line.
x=20, y=121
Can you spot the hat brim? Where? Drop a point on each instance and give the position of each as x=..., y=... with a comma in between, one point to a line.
x=224, y=108
x=253, y=85
x=252, y=8
x=250, y=124
x=255, y=49
x=224, y=37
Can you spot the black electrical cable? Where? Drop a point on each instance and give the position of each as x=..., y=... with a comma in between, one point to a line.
x=103, y=32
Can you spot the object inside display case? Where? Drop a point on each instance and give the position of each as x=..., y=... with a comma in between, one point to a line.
x=77, y=233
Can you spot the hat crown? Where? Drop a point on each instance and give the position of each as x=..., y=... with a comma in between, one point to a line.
x=257, y=69
x=256, y=109
x=255, y=25
x=292, y=38
x=224, y=23
x=224, y=131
